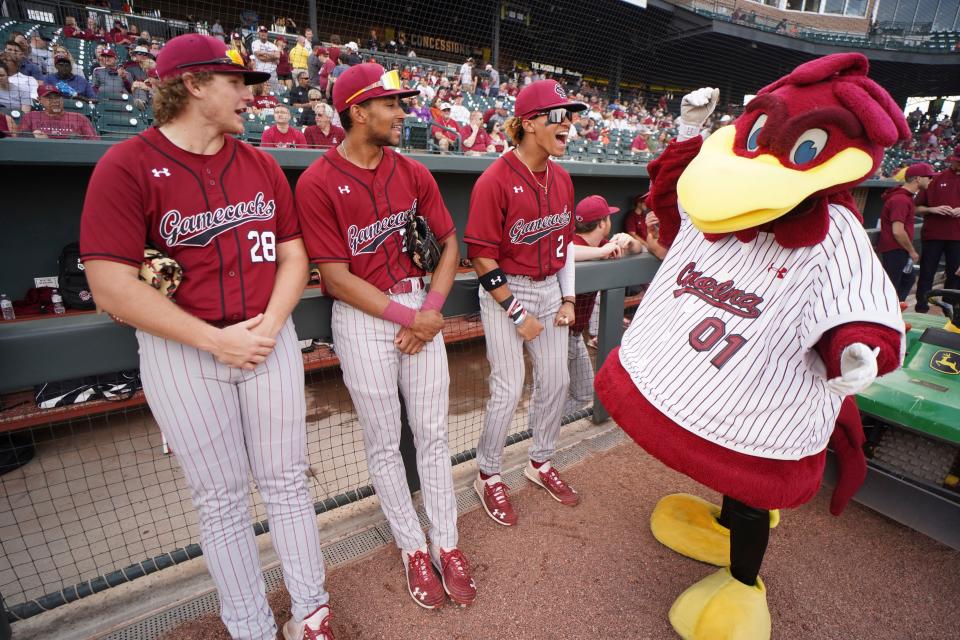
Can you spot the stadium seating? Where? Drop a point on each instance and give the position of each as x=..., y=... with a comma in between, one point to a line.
x=114, y=124
x=416, y=134
x=253, y=129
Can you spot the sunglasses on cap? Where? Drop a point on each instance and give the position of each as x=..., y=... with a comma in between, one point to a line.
x=556, y=116
x=390, y=81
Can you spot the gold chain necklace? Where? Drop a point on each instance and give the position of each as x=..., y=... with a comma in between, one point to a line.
x=342, y=148
x=533, y=175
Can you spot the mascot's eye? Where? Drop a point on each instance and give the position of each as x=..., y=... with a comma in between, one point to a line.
x=808, y=146
x=752, y=144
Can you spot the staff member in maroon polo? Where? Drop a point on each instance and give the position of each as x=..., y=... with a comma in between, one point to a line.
x=940, y=207
x=895, y=245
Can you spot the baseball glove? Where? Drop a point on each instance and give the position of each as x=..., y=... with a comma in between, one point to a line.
x=160, y=271
x=420, y=243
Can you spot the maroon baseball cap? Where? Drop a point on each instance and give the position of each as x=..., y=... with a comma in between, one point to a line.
x=920, y=169
x=62, y=57
x=364, y=82
x=47, y=90
x=542, y=96
x=955, y=156
x=195, y=52
x=108, y=52
x=593, y=208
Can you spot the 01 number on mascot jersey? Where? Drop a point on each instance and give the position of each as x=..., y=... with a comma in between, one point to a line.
x=708, y=333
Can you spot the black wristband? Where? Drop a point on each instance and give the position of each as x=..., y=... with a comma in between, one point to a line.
x=506, y=303
x=493, y=279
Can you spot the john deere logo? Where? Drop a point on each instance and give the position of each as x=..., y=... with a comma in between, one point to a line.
x=946, y=362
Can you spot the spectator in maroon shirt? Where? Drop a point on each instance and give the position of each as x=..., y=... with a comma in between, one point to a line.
x=70, y=29
x=590, y=131
x=281, y=134
x=262, y=100
x=53, y=121
x=639, y=144
x=324, y=134
x=445, y=138
x=497, y=139
x=284, y=70
x=118, y=35
x=476, y=140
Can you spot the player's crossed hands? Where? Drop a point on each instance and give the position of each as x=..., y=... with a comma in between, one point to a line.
x=407, y=342
x=426, y=325
x=239, y=346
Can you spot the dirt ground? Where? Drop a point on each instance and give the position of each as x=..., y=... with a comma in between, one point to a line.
x=595, y=571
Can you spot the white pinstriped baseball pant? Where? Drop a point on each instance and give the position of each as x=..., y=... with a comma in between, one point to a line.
x=224, y=424
x=373, y=370
x=581, y=375
x=548, y=351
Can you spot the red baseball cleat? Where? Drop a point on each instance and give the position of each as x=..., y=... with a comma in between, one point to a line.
x=316, y=626
x=455, y=572
x=496, y=501
x=553, y=483
x=422, y=583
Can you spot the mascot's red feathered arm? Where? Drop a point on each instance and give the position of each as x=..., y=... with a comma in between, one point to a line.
x=847, y=439
x=664, y=173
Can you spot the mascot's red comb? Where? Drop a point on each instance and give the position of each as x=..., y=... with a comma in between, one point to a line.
x=880, y=116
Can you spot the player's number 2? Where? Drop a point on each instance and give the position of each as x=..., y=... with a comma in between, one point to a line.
x=560, y=247
x=708, y=333
x=264, y=247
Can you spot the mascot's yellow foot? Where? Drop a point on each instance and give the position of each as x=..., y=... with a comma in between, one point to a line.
x=720, y=607
x=688, y=525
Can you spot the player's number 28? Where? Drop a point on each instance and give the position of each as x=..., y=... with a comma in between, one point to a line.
x=708, y=333
x=264, y=247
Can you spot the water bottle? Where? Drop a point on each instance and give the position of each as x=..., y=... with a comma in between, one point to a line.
x=57, y=301
x=909, y=266
x=7, y=306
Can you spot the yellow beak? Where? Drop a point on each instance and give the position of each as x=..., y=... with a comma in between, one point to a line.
x=723, y=192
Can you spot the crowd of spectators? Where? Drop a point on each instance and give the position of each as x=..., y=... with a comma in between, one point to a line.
x=303, y=70
x=934, y=138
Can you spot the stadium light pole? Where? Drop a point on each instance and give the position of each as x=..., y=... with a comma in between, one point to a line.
x=312, y=4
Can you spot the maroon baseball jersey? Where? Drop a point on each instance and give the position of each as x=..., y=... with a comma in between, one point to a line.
x=220, y=216
x=512, y=221
x=583, y=306
x=272, y=137
x=354, y=215
x=944, y=189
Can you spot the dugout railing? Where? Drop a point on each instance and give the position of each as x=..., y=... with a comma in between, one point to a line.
x=97, y=345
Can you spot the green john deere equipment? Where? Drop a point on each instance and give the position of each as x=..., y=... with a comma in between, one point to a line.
x=912, y=422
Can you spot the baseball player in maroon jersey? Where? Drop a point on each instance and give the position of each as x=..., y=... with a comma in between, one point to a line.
x=518, y=235
x=220, y=364
x=354, y=203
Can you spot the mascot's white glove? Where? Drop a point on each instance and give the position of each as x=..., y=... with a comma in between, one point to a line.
x=858, y=370
x=695, y=108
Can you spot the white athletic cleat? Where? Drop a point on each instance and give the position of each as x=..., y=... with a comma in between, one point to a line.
x=315, y=626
